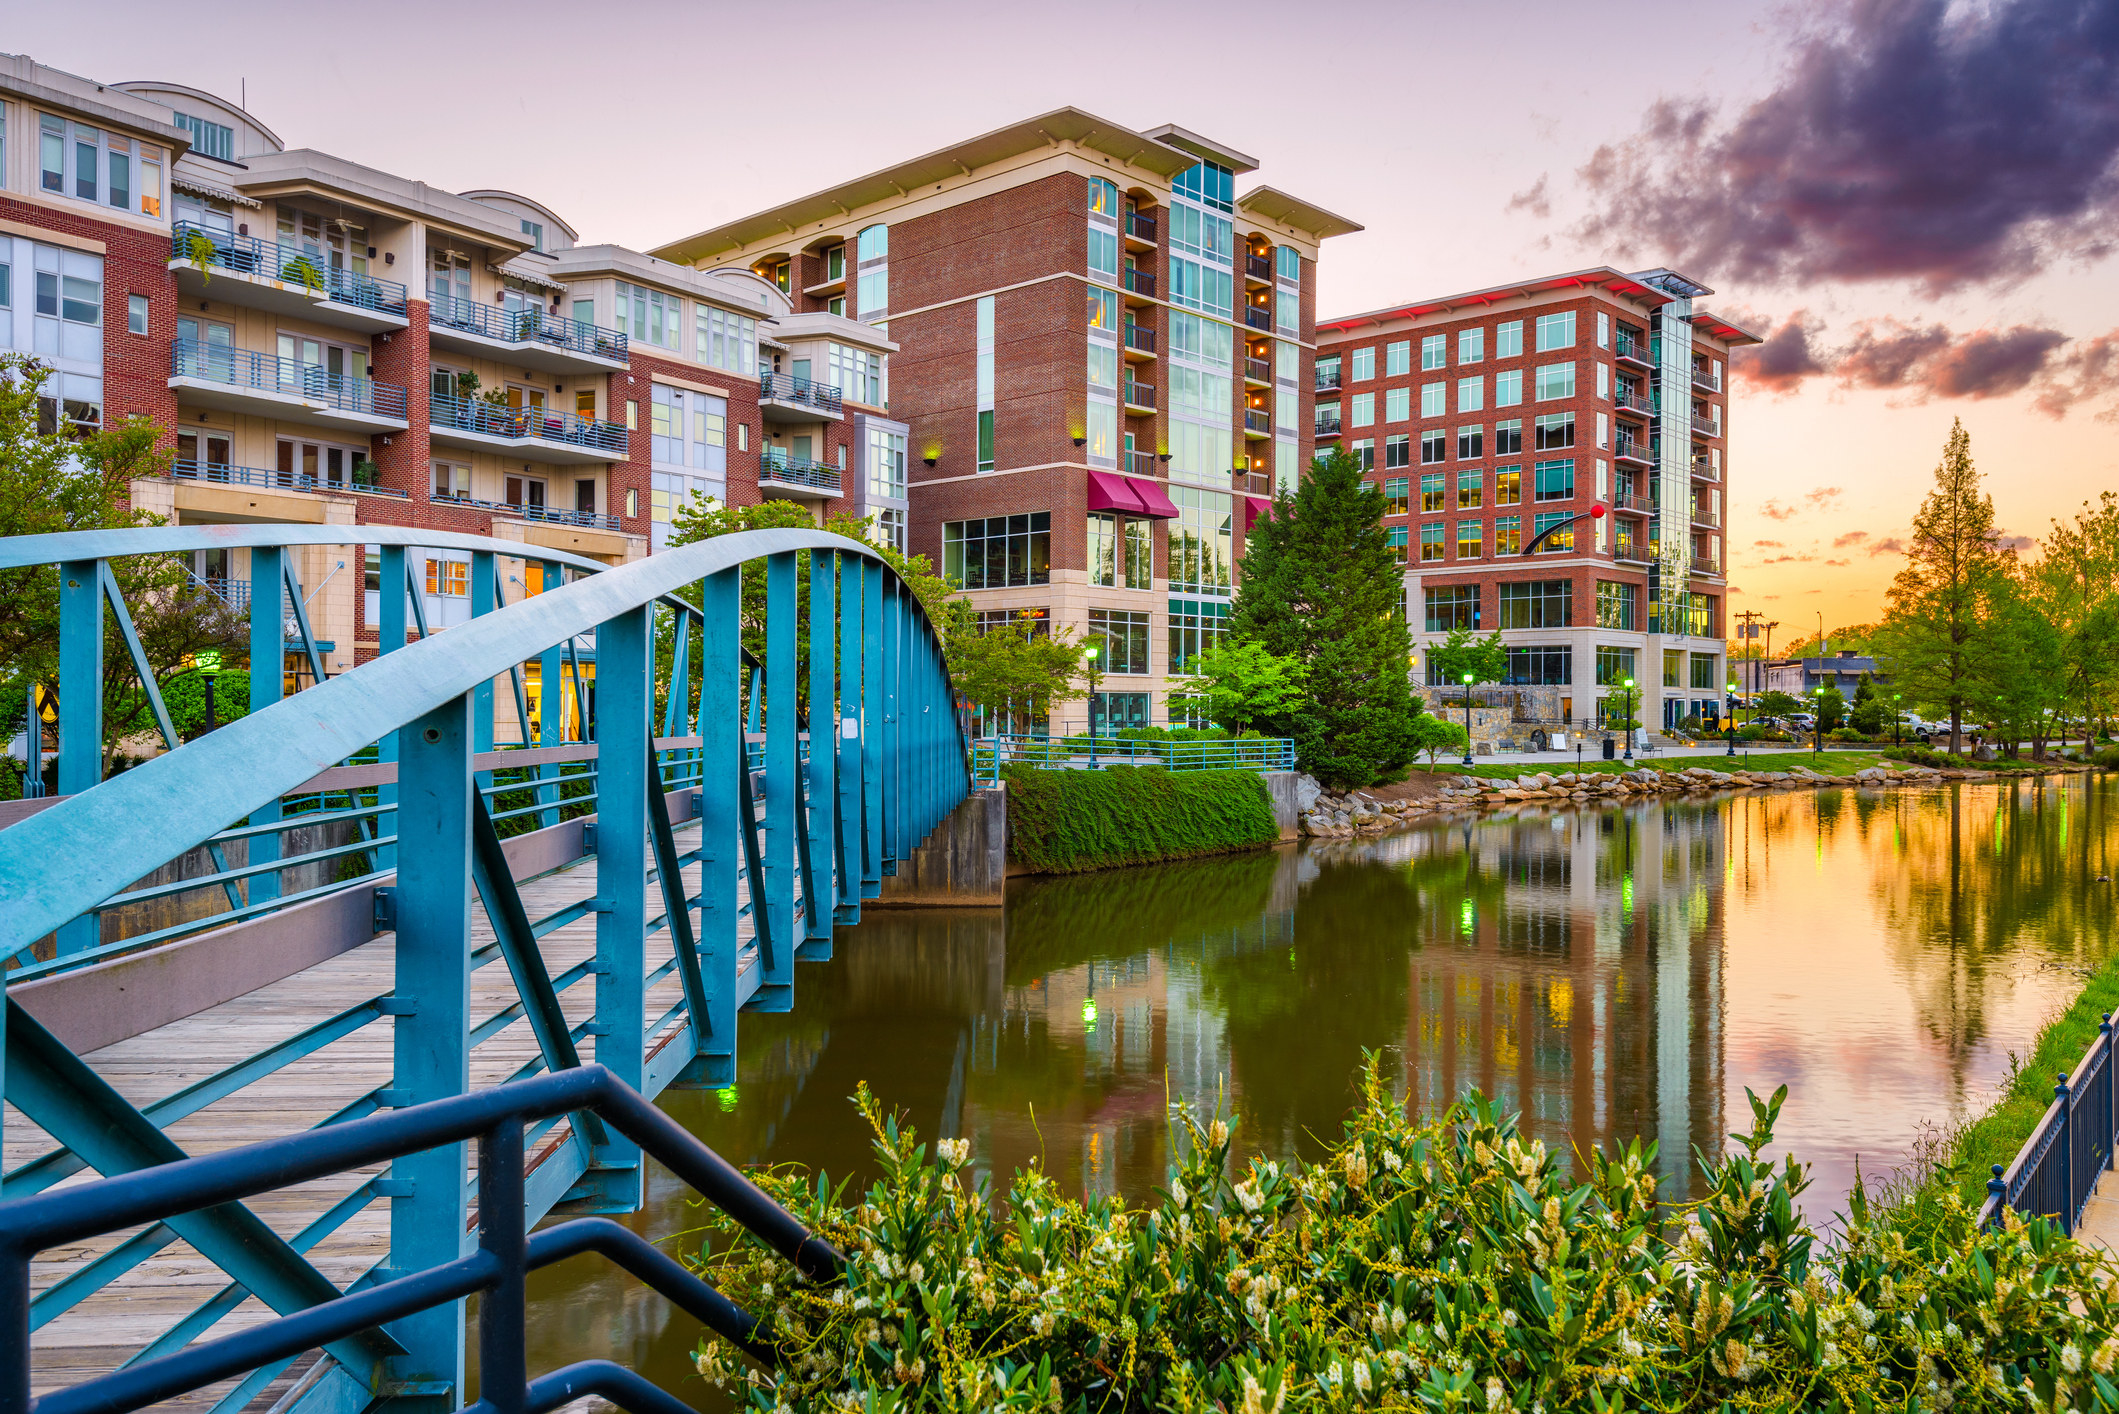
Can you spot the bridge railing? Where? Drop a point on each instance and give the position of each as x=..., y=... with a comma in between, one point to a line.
x=990, y=753
x=730, y=831
x=2057, y=1168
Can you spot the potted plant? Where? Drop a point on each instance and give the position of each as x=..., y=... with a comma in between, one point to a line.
x=199, y=250
x=302, y=271
x=364, y=472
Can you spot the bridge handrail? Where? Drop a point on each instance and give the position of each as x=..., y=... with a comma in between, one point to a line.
x=62, y=547
x=73, y=856
x=497, y=1119
x=2075, y=1140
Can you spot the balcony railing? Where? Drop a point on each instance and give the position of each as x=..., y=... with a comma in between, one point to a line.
x=1140, y=463
x=545, y=424
x=1141, y=228
x=1328, y=379
x=1141, y=282
x=1140, y=336
x=1629, y=347
x=1258, y=267
x=1631, y=551
x=782, y=388
x=244, y=368
x=225, y=475
x=1703, y=564
x=1706, y=426
x=1632, y=450
x=1140, y=395
x=790, y=470
x=1257, y=316
x=1633, y=402
x=549, y=514
x=1258, y=370
x=1328, y=424
x=1704, y=378
x=527, y=326
x=1257, y=420
x=246, y=255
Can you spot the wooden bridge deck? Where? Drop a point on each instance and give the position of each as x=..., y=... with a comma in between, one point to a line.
x=108, y=1327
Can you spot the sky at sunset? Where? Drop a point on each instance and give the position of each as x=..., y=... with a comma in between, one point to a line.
x=1915, y=200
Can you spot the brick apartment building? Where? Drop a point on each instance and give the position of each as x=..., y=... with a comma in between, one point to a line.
x=1104, y=366
x=324, y=343
x=1490, y=416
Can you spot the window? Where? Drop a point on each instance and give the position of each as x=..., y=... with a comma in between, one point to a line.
x=1614, y=666
x=1103, y=252
x=1397, y=496
x=1434, y=351
x=1614, y=604
x=1508, y=339
x=1540, y=667
x=688, y=430
x=1451, y=606
x=1287, y=311
x=1103, y=546
x=1471, y=443
x=1364, y=453
x=1471, y=394
x=1470, y=538
x=890, y=525
x=1125, y=635
x=1395, y=537
x=1560, y=523
x=1364, y=365
x=1398, y=358
x=1508, y=388
x=1137, y=555
x=1603, y=430
x=449, y=577
x=535, y=231
x=1434, y=398
x=135, y=313
x=1556, y=331
x=76, y=399
x=1326, y=372
x=1555, y=480
x=1397, y=404
x=985, y=369
x=725, y=340
x=886, y=463
x=1434, y=446
x=1202, y=541
x=872, y=285
x=1468, y=489
x=1537, y=603
x=1603, y=380
x=1471, y=345
x=654, y=315
x=1397, y=450
x=1202, y=249
x=1508, y=534
x=1603, y=330
x=452, y=481
x=1553, y=430
x=208, y=139
x=1508, y=485
x=1698, y=610
x=1703, y=672
x=1556, y=380
x=1508, y=437
x=1431, y=542
x=1433, y=496
x=998, y=552
x=1103, y=309
x=856, y=373
x=1103, y=197
x=1196, y=625
x=1364, y=410
x=90, y=164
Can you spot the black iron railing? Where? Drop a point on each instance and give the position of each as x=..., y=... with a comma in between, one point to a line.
x=783, y=388
x=2058, y=1166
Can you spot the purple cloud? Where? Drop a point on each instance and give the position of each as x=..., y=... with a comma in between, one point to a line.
x=1893, y=546
x=1785, y=360
x=1852, y=537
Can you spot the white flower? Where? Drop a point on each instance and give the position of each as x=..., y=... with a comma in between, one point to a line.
x=1177, y=1191
x=1361, y=1376
x=918, y=1274
x=1218, y=1135
x=1494, y=1396
x=1247, y=1194
x=952, y=1151
x=2071, y=1359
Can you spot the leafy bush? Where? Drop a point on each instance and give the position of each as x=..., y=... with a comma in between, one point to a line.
x=185, y=697
x=1921, y=756
x=1754, y=732
x=2108, y=758
x=1846, y=734
x=1438, y=1266
x=1063, y=822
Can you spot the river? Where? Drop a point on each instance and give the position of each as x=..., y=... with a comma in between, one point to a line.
x=1607, y=972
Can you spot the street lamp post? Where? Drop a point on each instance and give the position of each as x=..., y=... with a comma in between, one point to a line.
x=1091, y=653
x=209, y=662
x=1897, y=722
x=1732, y=721
x=1467, y=721
x=1626, y=722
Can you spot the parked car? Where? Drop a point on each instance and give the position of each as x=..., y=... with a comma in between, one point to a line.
x=1803, y=721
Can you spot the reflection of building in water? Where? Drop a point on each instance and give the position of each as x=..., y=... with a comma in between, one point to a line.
x=1573, y=971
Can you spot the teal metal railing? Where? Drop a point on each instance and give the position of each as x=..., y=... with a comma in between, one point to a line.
x=252, y=371
x=990, y=753
x=527, y=326
x=554, y=425
x=290, y=265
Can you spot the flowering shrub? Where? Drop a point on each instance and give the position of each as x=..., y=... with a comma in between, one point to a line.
x=1434, y=1266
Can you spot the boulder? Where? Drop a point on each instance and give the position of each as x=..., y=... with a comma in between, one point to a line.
x=1307, y=789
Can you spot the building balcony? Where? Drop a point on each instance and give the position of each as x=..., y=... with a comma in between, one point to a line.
x=1257, y=422
x=529, y=337
x=1258, y=370
x=785, y=399
x=1258, y=317
x=1628, y=449
x=1251, y=483
x=1632, y=350
x=1139, y=229
x=1706, y=519
x=266, y=478
x=1635, y=404
x=1328, y=380
x=1633, y=502
x=286, y=280
x=1703, y=468
x=797, y=478
x=1705, y=426
x=1140, y=463
x=1140, y=397
x=1328, y=425
x=542, y=515
x=1258, y=269
x=1632, y=552
x=549, y=435
x=1140, y=341
x=1703, y=564
x=1140, y=286
x=1703, y=379
x=243, y=381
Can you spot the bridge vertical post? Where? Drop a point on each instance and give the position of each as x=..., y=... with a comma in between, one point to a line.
x=80, y=708
x=431, y=1047
x=720, y=747
x=389, y=637
x=874, y=729
x=823, y=741
x=268, y=656
x=783, y=638
x=485, y=591
x=848, y=854
x=551, y=702
x=624, y=645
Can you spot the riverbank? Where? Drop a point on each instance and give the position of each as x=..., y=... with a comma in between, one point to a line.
x=1488, y=788
x=1069, y=822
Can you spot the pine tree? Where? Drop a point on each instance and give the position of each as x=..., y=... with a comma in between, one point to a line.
x=1931, y=635
x=1320, y=585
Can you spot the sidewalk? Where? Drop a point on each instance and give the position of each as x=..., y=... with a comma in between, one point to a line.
x=2100, y=1220
x=1593, y=750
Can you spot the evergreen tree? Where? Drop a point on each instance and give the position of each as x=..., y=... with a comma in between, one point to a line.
x=1321, y=586
x=1931, y=635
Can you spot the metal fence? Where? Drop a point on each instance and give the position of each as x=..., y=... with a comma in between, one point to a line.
x=267, y=373
x=545, y=424
x=527, y=326
x=1257, y=753
x=246, y=255
x=2058, y=1166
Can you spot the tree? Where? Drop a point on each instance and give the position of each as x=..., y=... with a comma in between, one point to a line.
x=1460, y=655
x=52, y=480
x=1867, y=714
x=1831, y=708
x=2076, y=582
x=1321, y=586
x=1434, y=736
x=1775, y=704
x=1237, y=682
x=1017, y=668
x=2024, y=680
x=1930, y=636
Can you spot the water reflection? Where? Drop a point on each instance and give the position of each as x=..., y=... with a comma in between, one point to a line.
x=1609, y=973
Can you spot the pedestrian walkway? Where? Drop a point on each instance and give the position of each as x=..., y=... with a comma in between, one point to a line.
x=2100, y=1219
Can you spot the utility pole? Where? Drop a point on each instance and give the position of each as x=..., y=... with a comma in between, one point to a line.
x=1750, y=634
x=1770, y=627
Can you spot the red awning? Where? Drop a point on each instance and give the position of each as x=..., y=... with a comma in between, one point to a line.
x=1155, y=503
x=1253, y=508
x=1108, y=491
